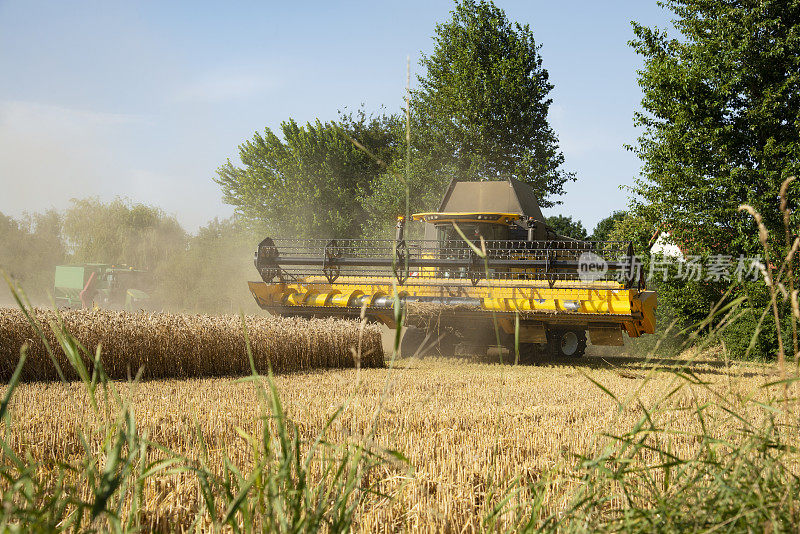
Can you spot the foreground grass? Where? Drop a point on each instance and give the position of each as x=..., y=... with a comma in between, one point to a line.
x=486, y=444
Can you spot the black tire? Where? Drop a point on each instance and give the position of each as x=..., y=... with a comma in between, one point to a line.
x=566, y=343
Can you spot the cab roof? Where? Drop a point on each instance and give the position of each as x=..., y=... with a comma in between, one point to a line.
x=499, y=196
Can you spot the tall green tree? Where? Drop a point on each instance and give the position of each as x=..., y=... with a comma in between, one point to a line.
x=721, y=127
x=720, y=118
x=482, y=103
x=426, y=181
x=309, y=182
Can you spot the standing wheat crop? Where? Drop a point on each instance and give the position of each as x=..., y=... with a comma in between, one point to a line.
x=165, y=345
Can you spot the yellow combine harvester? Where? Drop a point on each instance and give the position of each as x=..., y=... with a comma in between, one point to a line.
x=526, y=284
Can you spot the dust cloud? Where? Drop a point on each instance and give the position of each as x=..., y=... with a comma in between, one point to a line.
x=203, y=272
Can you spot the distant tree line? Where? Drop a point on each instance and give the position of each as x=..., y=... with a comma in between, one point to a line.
x=567, y=226
x=204, y=272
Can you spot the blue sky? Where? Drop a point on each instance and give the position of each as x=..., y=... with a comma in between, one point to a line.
x=146, y=99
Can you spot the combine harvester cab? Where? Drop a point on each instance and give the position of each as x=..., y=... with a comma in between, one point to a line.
x=524, y=284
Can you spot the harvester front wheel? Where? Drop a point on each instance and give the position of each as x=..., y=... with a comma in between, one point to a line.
x=566, y=343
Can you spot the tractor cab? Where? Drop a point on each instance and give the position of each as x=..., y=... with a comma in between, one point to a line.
x=102, y=285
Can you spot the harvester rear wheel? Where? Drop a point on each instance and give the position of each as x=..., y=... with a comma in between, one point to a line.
x=567, y=343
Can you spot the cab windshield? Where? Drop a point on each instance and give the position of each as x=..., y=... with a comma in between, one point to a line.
x=473, y=231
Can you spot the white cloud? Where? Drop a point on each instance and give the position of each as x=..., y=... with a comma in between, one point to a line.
x=30, y=116
x=220, y=87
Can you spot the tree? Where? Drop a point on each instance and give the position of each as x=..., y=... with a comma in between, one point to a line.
x=721, y=127
x=120, y=232
x=721, y=118
x=311, y=182
x=603, y=228
x=564, y=225
x=481, y=109
x=31, y=248
x=387, y=198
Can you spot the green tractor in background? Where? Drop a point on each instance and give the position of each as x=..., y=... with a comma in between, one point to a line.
x=101, y=285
